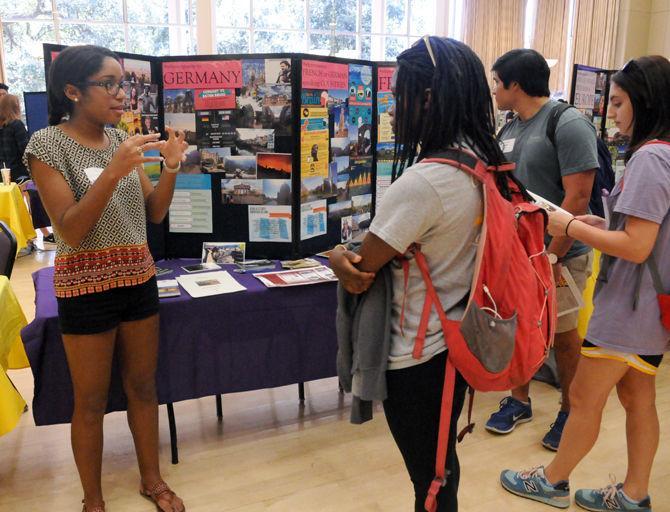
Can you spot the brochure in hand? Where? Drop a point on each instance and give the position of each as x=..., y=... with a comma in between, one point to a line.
x=283, y=278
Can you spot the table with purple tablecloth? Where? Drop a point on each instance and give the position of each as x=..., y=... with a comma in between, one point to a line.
x=255, y=339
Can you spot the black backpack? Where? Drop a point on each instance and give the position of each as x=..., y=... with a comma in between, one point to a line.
x=604, y=178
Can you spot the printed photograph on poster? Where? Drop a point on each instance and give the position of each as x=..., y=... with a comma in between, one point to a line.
x=361, y=204
x=342, y=186
x=137, y=71
x=185, y=123
x=337, y=97
x=315, y=188
x=276, y=108
x=360, y=176
x=277, y=192
x=149, y=124
x=191, y=165
x=360, y=223
x=270, y=223
x=384, y=128
x=152, y=169
x=212, y=159
x=339, y=147
x=338, y=210
x=215, y=99
x=131, y=123
x=360, y=84
x=215, y=128
x=178, y=101
x=314, y=98
x=147, y=99
x=242, y=192
x=240, y=167
x=223, y=252
x=313, y=219
x=385, y=151
x=278, y=71
x=253, y=75
x=274, y=166
x=252, y=141
x=339, y=117
x=347, y=229
x=360, y=130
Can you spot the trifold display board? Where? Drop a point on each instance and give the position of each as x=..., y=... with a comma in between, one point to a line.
x=590, y=94
x=281, y=147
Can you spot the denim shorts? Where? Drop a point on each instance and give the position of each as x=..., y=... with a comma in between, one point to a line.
x=94, y=313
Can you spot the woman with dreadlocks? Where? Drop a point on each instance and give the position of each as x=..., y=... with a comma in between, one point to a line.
x=442, y=102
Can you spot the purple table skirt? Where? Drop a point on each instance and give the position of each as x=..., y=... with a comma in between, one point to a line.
x=260, y=338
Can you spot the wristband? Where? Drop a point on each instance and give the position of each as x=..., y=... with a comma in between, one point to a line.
x=567, y=226
x=171, y=170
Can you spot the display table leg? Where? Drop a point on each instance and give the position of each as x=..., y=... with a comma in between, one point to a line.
x=173, y=434
x=301, y=391
x=219, y=408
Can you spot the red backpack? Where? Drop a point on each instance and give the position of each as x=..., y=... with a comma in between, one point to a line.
x=508, y=325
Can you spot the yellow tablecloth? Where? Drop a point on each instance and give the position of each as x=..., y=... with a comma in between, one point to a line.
x=14, y=212
x=587, y=310
x=12, y=321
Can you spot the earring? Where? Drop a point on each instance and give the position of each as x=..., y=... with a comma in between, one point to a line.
x=76, y=100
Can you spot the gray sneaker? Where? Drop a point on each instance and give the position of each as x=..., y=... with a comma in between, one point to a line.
x=532, y=484
x=609, y=498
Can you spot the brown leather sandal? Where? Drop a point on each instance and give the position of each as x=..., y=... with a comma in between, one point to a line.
x=94, y=509
x=158, y=490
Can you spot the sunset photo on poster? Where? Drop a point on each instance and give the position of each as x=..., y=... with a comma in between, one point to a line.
x=274, y=165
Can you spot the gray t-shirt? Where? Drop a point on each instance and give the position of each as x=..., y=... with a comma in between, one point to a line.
x=540, y=166
x=644, y=192
x=440, y=208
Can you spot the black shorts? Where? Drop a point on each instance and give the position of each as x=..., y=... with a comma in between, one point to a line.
x=94, y=313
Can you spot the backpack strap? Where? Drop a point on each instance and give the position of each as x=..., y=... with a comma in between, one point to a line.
x=554, y=116
x=449, y=328
x=446, y=407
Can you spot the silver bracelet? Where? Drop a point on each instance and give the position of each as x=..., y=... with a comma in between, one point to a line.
x=171, y=170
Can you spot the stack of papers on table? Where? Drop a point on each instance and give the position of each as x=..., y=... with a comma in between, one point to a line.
x=168, y=288
x=321, y=274
x=209, y=283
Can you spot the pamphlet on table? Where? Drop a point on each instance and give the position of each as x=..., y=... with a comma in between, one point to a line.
x=209, y=283
x=300, y=277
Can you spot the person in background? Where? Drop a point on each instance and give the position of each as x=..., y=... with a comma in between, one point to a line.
x=4, y=89
x=562, y=172
x=442, y=101
x=13, y=141
x=92, y=185
x=629, y=330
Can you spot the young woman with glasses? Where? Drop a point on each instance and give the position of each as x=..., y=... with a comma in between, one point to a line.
x=93, y=187
x=628, y=333
x=442, y=101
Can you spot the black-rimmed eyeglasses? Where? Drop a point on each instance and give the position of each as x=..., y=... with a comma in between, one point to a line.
x=110, y=86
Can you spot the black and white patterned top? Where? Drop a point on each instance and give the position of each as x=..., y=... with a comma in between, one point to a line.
x=115, y=252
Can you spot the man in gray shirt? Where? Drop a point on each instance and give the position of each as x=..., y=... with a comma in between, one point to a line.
x=563, y=172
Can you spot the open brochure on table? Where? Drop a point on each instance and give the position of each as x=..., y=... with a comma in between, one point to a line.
x=300, y=277
x=209, y=283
